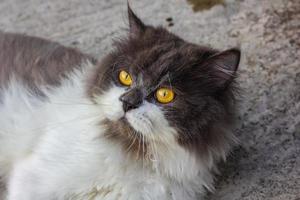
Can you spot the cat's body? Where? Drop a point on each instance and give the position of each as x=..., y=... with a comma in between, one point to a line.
x=65, y=133
x=60, y=125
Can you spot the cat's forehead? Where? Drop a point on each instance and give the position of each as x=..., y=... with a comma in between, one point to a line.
x=162, y=66
x=159, y=54
x=150, y=79
x=158, y=59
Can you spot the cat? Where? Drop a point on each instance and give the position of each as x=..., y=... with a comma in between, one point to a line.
x=149, y=121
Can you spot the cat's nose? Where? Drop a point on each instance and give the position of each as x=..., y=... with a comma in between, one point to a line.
x=131, y=99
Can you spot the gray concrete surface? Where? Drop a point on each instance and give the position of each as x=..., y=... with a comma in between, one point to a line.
x=267, y=164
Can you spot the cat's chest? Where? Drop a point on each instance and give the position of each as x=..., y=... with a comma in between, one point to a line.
x=133, y=189
x=99, y=193
x=66, y=136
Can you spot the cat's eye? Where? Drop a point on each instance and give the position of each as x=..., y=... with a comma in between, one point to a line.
x=125, y=78
x=164, y=95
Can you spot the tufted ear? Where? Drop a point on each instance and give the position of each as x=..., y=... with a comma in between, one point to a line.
x=225, y=65
x=136, y=26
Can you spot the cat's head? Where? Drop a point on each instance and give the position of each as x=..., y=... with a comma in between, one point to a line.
x=155, y=89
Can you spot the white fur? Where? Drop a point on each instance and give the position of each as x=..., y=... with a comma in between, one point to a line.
x=55, y=149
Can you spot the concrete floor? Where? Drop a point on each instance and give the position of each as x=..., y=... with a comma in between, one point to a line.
x=267, y=163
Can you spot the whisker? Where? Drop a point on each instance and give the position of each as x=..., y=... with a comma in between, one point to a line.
x=139, y=146
x=169, y=80
x=133, y=141
x=143, y=150
x=154, y=147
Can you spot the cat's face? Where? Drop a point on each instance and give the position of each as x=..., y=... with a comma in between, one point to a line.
x=157, y=88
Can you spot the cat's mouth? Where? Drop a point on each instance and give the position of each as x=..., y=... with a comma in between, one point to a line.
x=140, y=122
x=132, y=123
x=123, y=126
x=123, y=133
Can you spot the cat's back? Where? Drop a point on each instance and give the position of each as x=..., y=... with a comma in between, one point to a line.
x=28, y=65
x=35, y=61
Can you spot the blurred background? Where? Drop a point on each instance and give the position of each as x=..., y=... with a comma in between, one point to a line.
x=266, y=165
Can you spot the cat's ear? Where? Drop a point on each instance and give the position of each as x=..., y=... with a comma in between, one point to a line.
x=136, y=26
x=225, y=65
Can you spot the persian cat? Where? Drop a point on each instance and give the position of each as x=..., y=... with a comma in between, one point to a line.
x=149, y=121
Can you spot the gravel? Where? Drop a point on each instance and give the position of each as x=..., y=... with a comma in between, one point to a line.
x=266, y=165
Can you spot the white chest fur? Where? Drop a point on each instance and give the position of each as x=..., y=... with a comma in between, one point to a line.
x=55, y=149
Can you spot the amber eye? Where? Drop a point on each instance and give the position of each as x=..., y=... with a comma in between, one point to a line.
x=164, y=95
x=125, y=78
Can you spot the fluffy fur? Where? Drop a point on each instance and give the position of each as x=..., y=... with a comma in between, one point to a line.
x=72, y=139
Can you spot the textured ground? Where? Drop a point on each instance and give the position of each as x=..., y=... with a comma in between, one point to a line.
x=267, y=164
